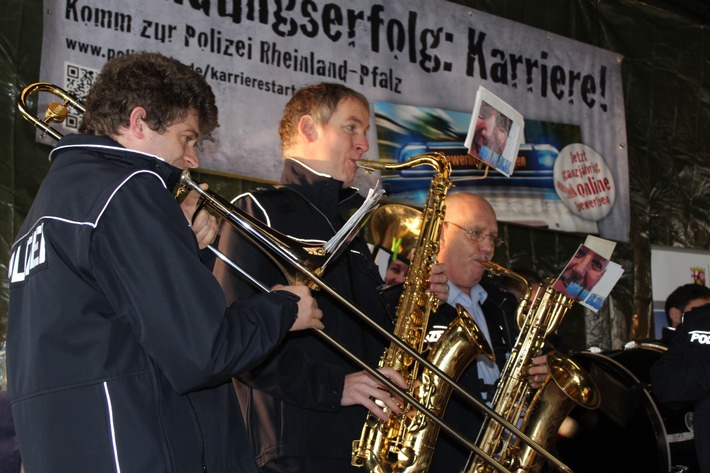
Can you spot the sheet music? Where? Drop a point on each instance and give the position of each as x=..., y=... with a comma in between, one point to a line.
x=352, y=226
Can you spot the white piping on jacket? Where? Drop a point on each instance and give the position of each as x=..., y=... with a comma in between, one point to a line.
x=113, y=430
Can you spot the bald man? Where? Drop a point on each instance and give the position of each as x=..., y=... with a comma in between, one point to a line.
x=470, y=236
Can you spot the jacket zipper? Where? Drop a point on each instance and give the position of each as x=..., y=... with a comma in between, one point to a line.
x=202, y=435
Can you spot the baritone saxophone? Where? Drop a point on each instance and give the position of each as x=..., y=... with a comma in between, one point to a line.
x=405, y=443
x=541, y=413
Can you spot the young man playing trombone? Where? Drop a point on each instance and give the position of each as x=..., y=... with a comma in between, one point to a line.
x=120, y=342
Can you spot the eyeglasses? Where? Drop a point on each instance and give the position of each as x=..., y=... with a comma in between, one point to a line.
x=478, y=236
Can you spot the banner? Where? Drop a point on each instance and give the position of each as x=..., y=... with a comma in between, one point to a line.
x=421, y=77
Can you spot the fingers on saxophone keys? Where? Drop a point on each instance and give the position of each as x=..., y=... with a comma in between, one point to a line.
x=374, y=407
x=383, y=404
x=536, y=379
x=538, y=371
x=393, y=401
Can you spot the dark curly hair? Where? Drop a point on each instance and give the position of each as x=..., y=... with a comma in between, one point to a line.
x=166, y=88
x=319, y=101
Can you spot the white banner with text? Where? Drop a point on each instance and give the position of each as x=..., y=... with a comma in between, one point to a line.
x=420, y=62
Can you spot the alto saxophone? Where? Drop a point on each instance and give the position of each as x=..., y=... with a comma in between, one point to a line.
x=540, y=415
x=405, y=443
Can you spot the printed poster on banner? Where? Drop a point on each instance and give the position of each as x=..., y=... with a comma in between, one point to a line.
x=584, y=182
x=526, y=196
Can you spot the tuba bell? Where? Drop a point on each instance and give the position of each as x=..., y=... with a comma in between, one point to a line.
x=393, y=232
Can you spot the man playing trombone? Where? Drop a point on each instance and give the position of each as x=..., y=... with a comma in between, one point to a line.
x=120, y=342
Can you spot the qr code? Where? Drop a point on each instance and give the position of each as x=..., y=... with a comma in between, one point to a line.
x=77, y=81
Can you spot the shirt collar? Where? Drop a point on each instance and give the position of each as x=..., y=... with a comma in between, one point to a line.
x=477, y=293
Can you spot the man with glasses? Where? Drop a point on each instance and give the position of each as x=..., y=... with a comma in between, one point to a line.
x=469, y=236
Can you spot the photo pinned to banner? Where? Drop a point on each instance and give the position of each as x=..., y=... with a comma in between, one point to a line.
x=590, y=275
x=495, y=132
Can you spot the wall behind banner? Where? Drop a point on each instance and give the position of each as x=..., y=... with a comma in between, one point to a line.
x=666, y=94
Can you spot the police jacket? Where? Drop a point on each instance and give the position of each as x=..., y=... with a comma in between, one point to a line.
x=291, y=403
x=682, y=375
x=120, y=344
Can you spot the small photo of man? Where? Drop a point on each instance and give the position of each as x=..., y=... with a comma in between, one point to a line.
x=491, y=133
x=581, y=274
x=495, y=132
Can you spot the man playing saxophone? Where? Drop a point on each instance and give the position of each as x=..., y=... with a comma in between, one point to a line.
x=469, y=237
x=306, y=403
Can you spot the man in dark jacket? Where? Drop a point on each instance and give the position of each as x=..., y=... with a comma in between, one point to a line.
x=682, y=375
x=682, y=299
x=120, y=343
x=469, y=236
x=307, y=402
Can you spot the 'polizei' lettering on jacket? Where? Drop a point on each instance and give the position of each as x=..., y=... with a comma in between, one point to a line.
x=29, y=256
x=701, y=337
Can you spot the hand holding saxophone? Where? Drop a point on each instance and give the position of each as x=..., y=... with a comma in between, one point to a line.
x=203, y=224
x=438, y=282
x=538, y=371
x=363, y=389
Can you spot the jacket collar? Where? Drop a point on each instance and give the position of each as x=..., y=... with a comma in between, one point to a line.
x=111, y=149
x=321, y=190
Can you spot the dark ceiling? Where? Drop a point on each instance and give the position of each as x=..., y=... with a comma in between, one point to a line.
x=694, y=9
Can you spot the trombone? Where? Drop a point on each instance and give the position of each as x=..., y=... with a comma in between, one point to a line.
x=55, y=113
x=306, y=264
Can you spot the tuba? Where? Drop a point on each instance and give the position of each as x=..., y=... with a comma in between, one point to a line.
x=539, y=415
x=405, y=443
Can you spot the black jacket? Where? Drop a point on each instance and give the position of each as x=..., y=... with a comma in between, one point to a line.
x=120, y=345
x=499, y=310
x=291, y=403
x=682, y=376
